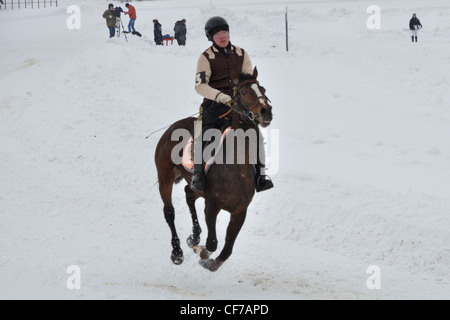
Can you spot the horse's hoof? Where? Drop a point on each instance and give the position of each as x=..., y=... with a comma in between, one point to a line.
x=192, y=241
x=210, y=264
x=177, y=257
x=202, y=252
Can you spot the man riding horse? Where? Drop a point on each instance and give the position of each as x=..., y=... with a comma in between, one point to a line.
x=214, y=82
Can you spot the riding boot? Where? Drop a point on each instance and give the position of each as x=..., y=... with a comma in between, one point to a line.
x=262, y=182
x=198, y=182
x=416, y=39
x=412, y=38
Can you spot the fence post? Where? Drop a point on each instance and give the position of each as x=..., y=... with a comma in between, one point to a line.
x=287, y=30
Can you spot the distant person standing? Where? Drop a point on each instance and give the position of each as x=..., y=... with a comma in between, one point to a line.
x=157, y=32
x=180, y=32
x=110, y=16
x=414, y=26
x=132, y=13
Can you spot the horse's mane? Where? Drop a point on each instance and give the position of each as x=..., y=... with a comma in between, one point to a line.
x=246, y=76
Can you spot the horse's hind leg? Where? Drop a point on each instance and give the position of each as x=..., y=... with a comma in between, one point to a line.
x=234, y=226
x=194, y=239
x=165, y=189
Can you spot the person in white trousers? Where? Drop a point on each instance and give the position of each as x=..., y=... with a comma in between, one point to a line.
x=414, y=26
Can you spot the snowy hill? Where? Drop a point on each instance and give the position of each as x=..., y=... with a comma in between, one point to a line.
x=362, y=180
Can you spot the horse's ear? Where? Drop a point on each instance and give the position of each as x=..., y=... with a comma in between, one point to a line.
x=234, y=76
x=255, y=73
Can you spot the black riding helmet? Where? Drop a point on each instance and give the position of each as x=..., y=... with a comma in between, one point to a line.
x=214, y=25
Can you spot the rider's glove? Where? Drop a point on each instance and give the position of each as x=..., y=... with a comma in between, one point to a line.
x=225, y=99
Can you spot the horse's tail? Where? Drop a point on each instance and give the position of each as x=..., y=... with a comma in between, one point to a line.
x=177, y=181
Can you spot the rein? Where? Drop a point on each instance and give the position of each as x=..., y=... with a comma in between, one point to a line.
x=238, y=105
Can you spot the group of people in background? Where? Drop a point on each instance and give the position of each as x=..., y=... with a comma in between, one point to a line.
x=179, y=29
x=112, y=14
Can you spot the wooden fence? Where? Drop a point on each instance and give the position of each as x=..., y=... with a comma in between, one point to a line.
x=18, y=4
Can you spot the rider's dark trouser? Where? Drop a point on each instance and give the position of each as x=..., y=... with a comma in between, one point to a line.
x=211, y=117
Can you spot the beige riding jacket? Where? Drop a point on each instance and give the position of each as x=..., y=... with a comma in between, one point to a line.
x=213, y=78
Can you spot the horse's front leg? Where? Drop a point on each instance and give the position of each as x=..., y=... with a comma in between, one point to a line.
x=211, y=212
x=234, y=226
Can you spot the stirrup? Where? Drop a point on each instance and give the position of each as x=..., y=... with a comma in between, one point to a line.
x=263, y=183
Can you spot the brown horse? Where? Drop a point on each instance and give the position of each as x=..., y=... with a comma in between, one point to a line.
x=230, y=186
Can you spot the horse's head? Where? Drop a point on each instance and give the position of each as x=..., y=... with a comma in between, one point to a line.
x=250, y=100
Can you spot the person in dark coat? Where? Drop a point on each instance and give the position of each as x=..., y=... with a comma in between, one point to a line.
x=157, y=32
x=180, y=32
x=414, y=26
x=110, y=16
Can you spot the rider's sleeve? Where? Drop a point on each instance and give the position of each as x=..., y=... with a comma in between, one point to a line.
x=247, y=64
x=202, y=80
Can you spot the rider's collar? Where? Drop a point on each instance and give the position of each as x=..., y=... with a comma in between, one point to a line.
x=226, y=51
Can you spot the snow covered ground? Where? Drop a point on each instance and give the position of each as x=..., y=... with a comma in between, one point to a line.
x=364, y=155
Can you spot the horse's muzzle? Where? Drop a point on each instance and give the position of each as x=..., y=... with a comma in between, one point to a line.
x=265, y=116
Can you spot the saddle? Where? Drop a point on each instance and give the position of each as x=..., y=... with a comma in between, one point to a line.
x=188, y=153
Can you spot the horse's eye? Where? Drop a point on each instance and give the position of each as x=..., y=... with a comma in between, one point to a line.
x=244, y=92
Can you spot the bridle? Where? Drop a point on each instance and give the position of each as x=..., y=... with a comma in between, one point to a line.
x=237, y=101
